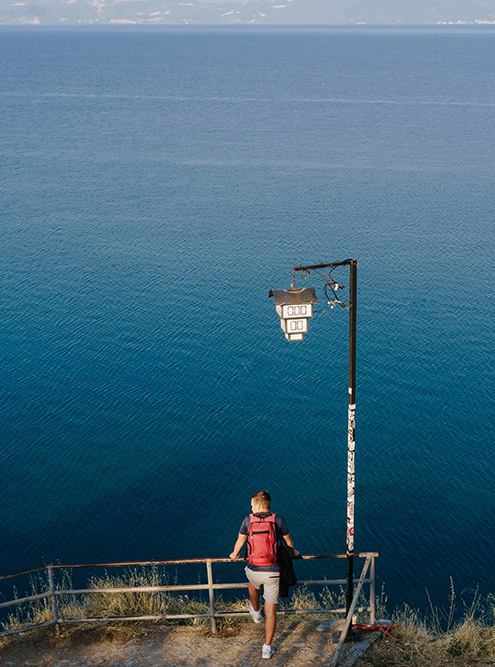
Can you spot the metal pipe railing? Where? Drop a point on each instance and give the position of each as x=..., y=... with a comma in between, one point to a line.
x=54, y=594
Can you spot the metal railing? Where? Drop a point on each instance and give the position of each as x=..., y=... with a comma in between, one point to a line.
x=54, y=592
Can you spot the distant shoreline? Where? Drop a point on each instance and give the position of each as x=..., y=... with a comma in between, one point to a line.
x=478, y=25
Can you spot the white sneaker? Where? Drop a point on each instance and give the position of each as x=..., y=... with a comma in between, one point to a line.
x=267, y=652
x=255, y=614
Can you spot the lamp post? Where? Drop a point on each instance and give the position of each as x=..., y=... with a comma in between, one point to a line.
x=293, y=306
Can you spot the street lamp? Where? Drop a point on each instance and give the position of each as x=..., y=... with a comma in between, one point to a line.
x=295, y=325
x=294, y=307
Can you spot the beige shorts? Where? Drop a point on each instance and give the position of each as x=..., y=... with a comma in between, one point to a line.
x=269, y=580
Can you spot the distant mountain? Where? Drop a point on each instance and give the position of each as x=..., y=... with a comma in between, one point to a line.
x=70, y=12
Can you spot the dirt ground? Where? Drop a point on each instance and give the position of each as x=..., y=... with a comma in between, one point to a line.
x=298, y=644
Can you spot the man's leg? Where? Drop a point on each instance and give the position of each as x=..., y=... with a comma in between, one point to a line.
x=270, y=621
x=254, y=596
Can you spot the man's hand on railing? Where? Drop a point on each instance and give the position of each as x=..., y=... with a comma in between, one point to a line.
x=238, y=546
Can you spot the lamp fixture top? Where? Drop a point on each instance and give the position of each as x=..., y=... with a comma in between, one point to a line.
x=293, y=296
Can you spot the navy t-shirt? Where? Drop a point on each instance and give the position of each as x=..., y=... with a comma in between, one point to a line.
x=280, y=528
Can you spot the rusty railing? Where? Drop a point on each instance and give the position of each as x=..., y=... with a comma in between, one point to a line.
x=54, y=592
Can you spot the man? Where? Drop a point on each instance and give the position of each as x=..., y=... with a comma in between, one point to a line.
x=263, y=530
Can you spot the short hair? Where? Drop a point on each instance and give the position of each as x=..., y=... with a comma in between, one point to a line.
x=263, y=498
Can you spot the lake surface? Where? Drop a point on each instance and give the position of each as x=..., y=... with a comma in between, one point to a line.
x=155, y=185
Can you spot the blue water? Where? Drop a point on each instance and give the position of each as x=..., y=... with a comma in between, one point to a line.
x=155, y=185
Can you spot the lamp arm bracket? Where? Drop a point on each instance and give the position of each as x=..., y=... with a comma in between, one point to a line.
x=330, y=284
x=330, y=265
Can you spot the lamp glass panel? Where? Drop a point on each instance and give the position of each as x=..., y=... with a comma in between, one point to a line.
x=296, y=310
x=295, y=325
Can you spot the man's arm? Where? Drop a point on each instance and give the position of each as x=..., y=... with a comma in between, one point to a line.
x=238, y=545
x=290, y=544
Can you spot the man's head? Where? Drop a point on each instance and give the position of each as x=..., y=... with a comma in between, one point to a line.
x=260, y=502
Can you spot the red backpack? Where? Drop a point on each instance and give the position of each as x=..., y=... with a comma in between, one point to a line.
x=262, y=540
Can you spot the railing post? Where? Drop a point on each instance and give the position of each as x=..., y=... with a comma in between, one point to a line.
x=372, y=593
x=211, y=592
x=51, y=581
x=348, y=620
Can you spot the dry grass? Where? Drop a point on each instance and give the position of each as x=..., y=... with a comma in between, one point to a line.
x=461, y=635
x=417, y=650
x=139, y=603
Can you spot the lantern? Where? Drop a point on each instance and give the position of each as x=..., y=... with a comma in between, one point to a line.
x=294, y=307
